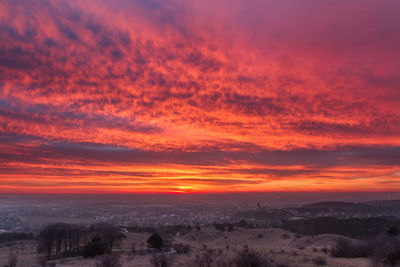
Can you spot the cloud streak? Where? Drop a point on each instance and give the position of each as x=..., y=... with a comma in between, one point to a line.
x=220, y=95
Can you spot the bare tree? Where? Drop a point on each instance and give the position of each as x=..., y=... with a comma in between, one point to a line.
x=46, y=240
x=108, y=233
x=62, y=239
x=12, y=259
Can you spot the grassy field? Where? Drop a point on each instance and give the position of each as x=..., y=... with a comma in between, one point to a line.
x=279, y=246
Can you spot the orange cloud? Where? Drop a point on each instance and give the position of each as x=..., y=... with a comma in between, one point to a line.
x=207, y=93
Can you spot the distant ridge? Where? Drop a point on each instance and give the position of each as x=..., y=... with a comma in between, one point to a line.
x=336, y=205
x=395, y=203
x=368, y=206
x=329, y=204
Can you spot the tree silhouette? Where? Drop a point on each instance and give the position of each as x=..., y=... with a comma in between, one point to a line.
x=155, y=241
x=93, y=248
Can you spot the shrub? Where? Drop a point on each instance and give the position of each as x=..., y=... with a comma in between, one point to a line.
x=109, y=261
x=393, y=231
x=248, y=258
x=319, y=261
x=346, y=249
x=155, y=241
x=182, y=248
x=393, y=259
x=285, y=236
x=221, y=262
x=204, y=260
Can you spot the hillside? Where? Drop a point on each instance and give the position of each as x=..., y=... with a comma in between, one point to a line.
x=277, y=245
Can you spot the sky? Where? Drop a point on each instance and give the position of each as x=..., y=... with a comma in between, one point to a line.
x=196, y=96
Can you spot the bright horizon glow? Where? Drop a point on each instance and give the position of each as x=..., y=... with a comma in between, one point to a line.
x=155, y=96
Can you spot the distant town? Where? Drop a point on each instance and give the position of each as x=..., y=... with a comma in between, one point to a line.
x=196, y=230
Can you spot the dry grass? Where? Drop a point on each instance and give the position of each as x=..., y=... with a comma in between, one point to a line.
x=281, y=246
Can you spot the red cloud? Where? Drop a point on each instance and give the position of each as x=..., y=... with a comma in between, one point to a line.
x=175, y=77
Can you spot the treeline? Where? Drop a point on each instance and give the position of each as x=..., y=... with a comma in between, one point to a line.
x=363, y=228
x=163, y=229
x=381, y=249
x=64, y=240
x=224, y=227
x=336, y=206
x=15, y=236
x=230, y=226
x=173, y=229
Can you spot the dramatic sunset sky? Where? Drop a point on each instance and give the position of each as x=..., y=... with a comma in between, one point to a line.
x=199, y=96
